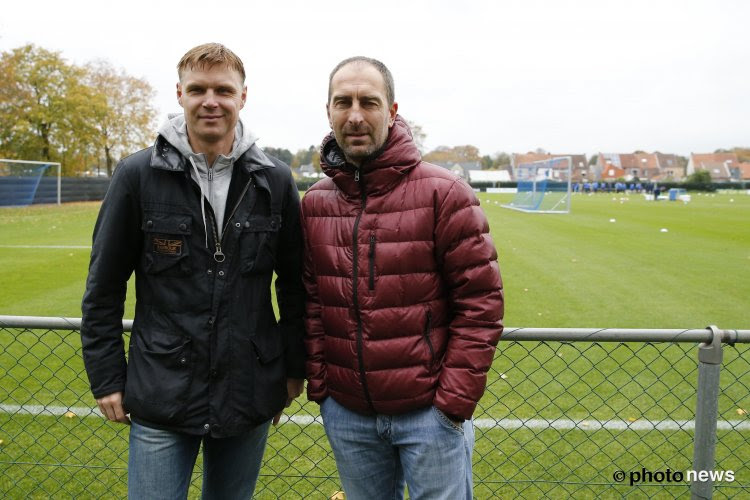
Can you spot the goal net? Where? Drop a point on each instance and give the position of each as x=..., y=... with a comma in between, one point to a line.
x=543, y=186
x=19, y=181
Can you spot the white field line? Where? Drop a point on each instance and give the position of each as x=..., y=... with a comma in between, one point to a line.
x=482, y=423
x=82, y=247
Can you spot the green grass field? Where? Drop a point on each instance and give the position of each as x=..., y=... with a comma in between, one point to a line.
x=576, y=270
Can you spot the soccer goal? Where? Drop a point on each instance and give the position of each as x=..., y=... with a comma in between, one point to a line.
x=543, y=186
x=19, y=181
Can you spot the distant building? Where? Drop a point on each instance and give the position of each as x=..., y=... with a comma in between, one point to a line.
x=489, y=176
x=579, y=168
x=743, y=172
x=462, y=168
x=643, y=166
x=719, y=165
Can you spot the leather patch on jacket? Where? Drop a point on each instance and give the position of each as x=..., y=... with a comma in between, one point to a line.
x=167, y=247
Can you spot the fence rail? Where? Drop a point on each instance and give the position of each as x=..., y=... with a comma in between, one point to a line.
x=572, y=412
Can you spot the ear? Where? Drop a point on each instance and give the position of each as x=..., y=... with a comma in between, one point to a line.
x=393, y=111
x=328, y=113
x=244, y=96
x=179, y=93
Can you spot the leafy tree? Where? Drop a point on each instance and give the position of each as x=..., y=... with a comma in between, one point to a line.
x=593, y=160
x=305, y=157
x=501, y=160
x=445, y=154
x=282, y=154
x=35, y=86
x=55, y=111
x=418, y=134
x=124, y=117
x=700, y=177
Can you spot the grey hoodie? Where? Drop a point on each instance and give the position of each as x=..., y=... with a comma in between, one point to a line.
x=213, y=180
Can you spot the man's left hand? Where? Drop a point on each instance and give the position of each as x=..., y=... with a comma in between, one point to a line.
x=294, y=387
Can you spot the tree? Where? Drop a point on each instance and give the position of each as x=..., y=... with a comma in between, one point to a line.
x=54, y=111
x=124, y=116
x=36, y=83
x=700, y=177
x=418, y=135
x=593, y=160
x=282, y=154
x=306, y=157
x=457, y=154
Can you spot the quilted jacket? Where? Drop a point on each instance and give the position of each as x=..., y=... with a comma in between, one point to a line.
x=404, y=296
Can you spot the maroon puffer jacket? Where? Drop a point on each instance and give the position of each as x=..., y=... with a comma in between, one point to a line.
x=405, y=300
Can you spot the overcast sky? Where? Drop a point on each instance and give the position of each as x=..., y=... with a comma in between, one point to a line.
x=566, y=76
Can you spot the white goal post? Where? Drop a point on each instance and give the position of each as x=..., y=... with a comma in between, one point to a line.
x=544, y=186
x=22, y=178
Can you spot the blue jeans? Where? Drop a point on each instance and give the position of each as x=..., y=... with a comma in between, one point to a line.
x=161, y=463
x=377, y=455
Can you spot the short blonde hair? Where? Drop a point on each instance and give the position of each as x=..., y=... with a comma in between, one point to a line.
x=209, y=55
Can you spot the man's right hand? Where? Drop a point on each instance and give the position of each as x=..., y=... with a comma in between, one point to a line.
x=112, y=409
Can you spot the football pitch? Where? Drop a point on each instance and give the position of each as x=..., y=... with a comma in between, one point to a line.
x=616, y=261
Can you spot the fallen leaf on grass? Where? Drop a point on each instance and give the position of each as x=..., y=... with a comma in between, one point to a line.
x=69, y=414
x=740, y=411
x=503, y=376
x=339, y=495
x=632, y=419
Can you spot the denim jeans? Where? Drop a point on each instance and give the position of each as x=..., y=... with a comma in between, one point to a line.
x=377, y=455
x=161, y=463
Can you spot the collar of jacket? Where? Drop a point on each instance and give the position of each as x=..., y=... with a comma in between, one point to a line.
x=388, y=166
x=164, y=156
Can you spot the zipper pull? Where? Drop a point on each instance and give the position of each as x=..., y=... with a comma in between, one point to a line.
x=210, y=173
x=356, y=175
x=218, y=254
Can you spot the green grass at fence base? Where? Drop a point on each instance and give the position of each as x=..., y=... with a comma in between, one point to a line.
x=53, y=457
x=83, y=458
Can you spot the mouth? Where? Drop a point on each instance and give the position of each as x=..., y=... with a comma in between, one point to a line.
x=209, y=117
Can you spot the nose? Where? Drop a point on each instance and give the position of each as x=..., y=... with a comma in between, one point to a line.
x=209, y=100
x=355, y=114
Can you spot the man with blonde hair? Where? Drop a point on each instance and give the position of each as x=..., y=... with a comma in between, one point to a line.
x=204, y=218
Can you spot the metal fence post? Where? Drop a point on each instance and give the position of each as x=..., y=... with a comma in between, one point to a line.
x=710, y=356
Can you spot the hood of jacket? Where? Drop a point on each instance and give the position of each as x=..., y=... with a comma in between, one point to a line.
x=378, y=174
x=213, y=180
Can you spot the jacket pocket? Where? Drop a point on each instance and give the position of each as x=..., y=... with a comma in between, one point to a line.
x=259, y=378
x=159, y=377
x=426, y=332
x=166, y=238
x=258, y=243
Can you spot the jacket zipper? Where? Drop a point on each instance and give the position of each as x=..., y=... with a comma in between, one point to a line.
x=372, y=261
x=355, y=297
x=426, y=334
x=218, y=254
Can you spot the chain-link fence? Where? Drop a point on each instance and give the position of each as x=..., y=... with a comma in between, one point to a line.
x=567, y=413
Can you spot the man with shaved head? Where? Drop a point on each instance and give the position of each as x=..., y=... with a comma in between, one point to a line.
x=404, y=299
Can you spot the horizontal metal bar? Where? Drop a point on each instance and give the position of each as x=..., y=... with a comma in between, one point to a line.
x=509, y=333
x=3, y=160
x=49, y=323
x=621, y=335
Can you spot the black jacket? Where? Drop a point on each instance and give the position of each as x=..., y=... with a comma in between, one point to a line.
x=206, y=353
